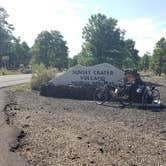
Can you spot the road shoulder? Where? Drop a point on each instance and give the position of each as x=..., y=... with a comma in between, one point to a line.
x=8, y=137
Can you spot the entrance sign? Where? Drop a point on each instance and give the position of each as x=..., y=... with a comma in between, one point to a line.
x=96, y=74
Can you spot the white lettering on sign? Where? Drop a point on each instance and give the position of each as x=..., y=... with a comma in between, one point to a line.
x=89, y=75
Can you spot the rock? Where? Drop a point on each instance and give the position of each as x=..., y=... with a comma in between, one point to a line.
x=83, y=92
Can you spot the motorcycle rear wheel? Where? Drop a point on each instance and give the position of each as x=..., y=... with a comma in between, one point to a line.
x=156, y=96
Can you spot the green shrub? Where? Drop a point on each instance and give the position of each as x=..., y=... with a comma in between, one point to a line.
x=41, y=75
x=4, y=71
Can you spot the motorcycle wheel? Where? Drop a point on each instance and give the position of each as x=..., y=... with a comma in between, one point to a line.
x=156, y=96
x=100, y=96
x=124, y=100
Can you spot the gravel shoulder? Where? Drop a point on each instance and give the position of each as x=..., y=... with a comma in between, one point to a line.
x=71, y=132
x=8, y=138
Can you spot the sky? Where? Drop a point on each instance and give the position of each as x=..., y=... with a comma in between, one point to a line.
x=143, y=20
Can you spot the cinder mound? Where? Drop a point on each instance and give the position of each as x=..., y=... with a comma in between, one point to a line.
x=82, y=92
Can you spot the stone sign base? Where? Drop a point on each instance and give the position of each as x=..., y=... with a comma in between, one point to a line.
x=84, y=92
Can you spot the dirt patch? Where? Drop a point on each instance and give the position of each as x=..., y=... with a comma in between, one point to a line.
x=73, y=132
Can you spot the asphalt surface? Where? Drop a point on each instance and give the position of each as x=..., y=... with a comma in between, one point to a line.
x=9, y=80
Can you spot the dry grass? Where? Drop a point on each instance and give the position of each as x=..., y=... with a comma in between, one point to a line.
x=41, y=75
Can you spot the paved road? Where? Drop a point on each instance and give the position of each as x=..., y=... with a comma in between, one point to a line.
x=9, y=80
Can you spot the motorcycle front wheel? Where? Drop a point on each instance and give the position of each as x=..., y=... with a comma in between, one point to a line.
x=124, y=100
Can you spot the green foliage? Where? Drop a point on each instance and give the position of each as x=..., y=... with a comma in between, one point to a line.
x=86, y=61
x=51, y=50
x=104, y=42
x=145, y=62
x=4, y=71
x=131, y=52
x=19, y=54
x=12, y=52
x=128, y=63
x=41, y=75
x=4, y=61
x=158, y=63
x=72, y=61
x=5, y=34
x=83, y=58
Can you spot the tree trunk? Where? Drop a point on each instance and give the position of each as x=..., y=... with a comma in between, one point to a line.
x=160, y=71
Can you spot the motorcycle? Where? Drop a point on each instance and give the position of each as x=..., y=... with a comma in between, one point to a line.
x=143, y=94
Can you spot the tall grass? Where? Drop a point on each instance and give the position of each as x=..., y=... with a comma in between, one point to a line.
x=41, y=75
x=4, y=71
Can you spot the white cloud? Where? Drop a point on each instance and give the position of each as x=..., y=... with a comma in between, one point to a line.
x=31, y=17
x=145, y=31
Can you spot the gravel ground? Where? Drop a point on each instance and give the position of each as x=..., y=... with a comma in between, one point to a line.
x=8, y=137
x=64, y=132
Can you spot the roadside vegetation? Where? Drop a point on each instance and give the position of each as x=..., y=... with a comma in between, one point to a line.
x=4, y=71
x=41, y=75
